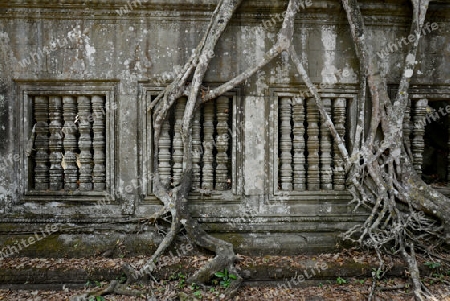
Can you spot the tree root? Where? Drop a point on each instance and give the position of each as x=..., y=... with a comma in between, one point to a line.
x=224, y=259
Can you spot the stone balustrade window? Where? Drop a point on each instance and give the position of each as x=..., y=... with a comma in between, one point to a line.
x=305, y=159
x=211, y=143
x=68, y=146
x=426, y=127
x=308, y=160
x=215, y=136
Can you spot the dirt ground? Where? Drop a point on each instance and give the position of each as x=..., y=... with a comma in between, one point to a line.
x=436, y=279
x=353, y=290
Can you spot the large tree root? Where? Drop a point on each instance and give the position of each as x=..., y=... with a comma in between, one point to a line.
x=382, y=176
x=224, y=259
x=386, y=181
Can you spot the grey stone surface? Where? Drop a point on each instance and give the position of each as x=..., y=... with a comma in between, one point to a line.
x=75, y=42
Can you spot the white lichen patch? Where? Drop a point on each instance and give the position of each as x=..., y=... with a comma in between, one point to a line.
x=410, y=59
x=329, y=46
x=409, y=73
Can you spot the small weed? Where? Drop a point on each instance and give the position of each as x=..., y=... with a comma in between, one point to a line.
x=182, y=283
x=194, y=286
x=122, y=279
x=198, y=294
x=225, y=277
x=376, y=273
x=181, y=277
x=93, y=283
x=433, y=265
x=440, y=278
x=341, y=280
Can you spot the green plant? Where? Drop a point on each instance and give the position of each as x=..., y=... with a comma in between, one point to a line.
x=122, y=278
x=181, y=277
x=95, y=283
x=198, y=294
x=341, y=280
x=178, y=276
x=321, y=285
x=376, y=273
x=182, y=282
x=437, y=277
x=225, y=277
x=433, y=265
x=194, y=286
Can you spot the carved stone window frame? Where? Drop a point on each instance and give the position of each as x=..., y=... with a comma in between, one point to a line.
x=146, y=150
x=27, y=89
x=426, y=94
x=350, y=92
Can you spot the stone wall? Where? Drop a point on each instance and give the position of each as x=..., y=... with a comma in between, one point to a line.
x=124, y=52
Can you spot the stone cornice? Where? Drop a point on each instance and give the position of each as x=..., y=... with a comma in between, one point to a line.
x=252, y=12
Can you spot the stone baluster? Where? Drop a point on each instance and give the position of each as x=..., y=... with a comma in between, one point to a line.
x=298, y=115
x=196, y=151
x=325, y=148
x=164, y=154
x=285, y=144
x=418, y=144
x=222, y=143
x=55, y=143
x=99, y=143
x=312, y=145
x=177, y=155
x=208, y=145
x=339, y=123
x=41, y=170
x=85, y=142
x=70, y=143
